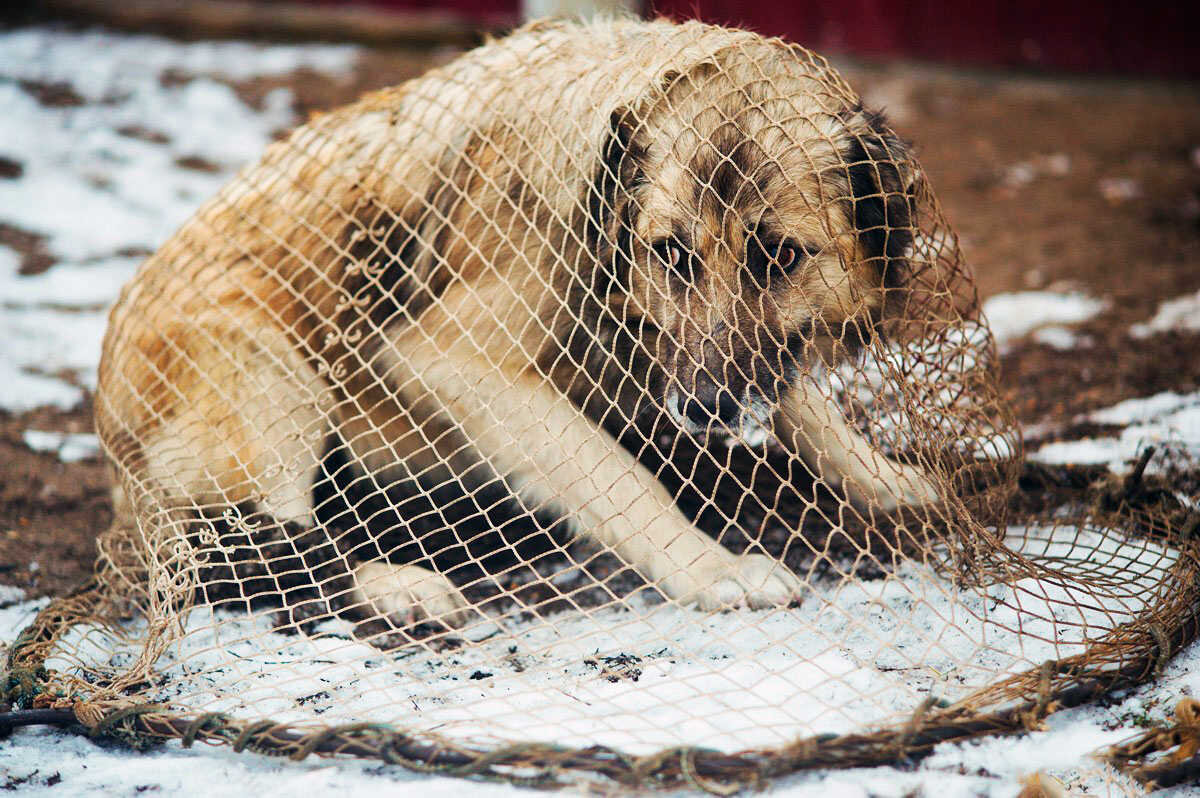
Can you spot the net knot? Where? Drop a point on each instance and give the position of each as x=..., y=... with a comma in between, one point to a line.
x=913, y=726
x=122, y=724
x=88, y=714
x=1033, y=718
x=23, y=685
x=1163, y=756
x=1162, y=645
x=684, y=757
x=316, y=740
x=687, y=766
x=254, y=737
x=206, y=722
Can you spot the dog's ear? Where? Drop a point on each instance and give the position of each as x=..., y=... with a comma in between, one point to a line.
x=881, y=177
x=623, y=155
x=612, y=192
x=620, y=169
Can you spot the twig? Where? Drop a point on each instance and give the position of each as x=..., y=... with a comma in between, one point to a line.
x=35, y=717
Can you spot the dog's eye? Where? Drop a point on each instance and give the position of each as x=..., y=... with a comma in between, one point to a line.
x=675, y=257
x=785, y=256
x=775, y=257
x=789, y=254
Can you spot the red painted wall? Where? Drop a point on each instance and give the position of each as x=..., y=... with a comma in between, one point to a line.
x=1151, y=37
x=1145, y=37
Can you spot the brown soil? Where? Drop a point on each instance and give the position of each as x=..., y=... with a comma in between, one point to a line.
x=1121, y=221
x=50, y=512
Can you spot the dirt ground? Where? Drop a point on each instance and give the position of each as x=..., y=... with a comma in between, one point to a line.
x=1061, y=183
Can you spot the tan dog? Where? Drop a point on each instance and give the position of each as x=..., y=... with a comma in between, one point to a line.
x=492, y=271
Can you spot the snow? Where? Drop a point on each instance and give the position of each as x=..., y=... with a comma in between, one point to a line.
x=106, y=181
x=70, y=447
x=565, y=687
x=1022, y=173
x=1167, y=420
x=1182, y=313
x=1061, y=338
x=1015, y=315
x=855, y=654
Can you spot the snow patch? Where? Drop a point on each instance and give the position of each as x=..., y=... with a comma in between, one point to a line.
x=865, y=652
x=108, y=179
x=1061, y=338
x=1013, y=316
x=1182, y=313
x=1166, y=419
x=70, y=447
x=856, y=654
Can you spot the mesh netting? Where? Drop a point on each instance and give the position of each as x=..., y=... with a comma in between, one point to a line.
x=612, y=399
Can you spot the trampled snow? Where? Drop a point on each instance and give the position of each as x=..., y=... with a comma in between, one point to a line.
x=728, y=681
x=856, y=654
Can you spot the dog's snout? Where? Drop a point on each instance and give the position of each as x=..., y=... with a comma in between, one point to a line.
x=710, y=402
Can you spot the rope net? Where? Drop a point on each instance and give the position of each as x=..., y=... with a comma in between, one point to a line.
x=612, y=399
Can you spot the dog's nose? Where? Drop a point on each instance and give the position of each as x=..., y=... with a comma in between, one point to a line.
x=710, y=402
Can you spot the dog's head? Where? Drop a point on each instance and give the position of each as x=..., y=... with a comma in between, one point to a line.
x=749, y=222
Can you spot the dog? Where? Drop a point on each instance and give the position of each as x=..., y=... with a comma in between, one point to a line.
x=490, y=273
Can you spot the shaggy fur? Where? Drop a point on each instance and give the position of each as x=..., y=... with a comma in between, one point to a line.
x=491, y=272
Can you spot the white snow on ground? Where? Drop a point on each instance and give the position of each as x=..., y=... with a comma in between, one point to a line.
x=70, y=447
x=1168, y=418
x=1182, y=313
x=53, y=761
x=1015, y=315
x=855, y=654
x=1062, y=338
x=106, y=181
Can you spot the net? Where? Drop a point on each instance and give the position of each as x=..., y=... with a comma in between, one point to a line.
x=614, y=401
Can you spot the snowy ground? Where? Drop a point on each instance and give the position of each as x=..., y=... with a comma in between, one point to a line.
x=107, y=172
x=105, y=178
x=45, y=761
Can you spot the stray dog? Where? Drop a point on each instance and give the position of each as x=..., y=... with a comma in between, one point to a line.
x=490, y=272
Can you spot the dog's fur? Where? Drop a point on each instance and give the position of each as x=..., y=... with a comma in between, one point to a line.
x=492, y=271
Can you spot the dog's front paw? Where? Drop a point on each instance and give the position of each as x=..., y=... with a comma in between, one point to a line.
x=895, y=485
x=409, y=594
x=727, y=581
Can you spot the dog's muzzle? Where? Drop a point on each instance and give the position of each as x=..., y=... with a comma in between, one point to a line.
x=712, y=409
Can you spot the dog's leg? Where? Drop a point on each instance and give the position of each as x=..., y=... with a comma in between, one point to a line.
x=244, y=425
x=526, y=429
x=410, y=594
x=249, y=428
x=814, y=428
